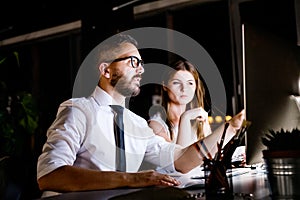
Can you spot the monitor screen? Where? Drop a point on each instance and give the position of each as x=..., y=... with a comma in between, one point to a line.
x=272, y=71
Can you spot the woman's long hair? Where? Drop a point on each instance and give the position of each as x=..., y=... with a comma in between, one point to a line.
x=198, y=99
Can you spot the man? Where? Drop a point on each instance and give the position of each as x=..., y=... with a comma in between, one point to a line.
x=79, y=153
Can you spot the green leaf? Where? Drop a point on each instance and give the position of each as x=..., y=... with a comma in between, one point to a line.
x=282, y=139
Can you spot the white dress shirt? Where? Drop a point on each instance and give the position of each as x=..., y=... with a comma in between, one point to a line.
x=157, y=117
x=82, y=135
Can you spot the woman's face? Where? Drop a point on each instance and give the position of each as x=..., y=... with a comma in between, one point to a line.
x=181, y=87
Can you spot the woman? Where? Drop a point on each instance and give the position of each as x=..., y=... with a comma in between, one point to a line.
x=183, y=119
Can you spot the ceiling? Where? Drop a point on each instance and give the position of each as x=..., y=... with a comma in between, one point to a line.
x=20, y=17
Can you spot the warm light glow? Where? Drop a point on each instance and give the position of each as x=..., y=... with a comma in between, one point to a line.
x=227, y=118
x=210, y=119
x=218, y=119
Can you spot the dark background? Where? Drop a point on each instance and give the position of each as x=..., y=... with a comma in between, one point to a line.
x=49, y=65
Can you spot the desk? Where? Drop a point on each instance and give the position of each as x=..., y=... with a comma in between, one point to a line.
x=245, y=181
x=254, y=182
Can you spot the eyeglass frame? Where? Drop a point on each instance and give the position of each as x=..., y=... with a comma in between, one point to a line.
x=139, y=61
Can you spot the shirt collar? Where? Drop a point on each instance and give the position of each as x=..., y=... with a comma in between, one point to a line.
x=102, y=97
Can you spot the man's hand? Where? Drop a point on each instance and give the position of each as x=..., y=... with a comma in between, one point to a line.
x=237, y=120
x=150, y=178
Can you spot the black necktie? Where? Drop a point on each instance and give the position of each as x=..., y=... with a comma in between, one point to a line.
x=119, y=137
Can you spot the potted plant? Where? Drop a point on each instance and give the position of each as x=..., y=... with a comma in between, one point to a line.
x=282, y=159
x=18, y=123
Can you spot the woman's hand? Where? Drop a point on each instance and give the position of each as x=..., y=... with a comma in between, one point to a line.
x=186, y=132
x=198, y=114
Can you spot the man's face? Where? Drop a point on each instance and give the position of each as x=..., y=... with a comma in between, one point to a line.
x=126, y=79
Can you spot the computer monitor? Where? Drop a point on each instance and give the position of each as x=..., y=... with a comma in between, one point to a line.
x=272, y=72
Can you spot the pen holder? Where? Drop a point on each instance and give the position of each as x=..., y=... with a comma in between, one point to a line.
x=217, y=185
x=216, y=182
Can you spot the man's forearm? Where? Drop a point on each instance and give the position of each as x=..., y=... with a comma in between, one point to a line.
x=192, y=156
x=70, y=178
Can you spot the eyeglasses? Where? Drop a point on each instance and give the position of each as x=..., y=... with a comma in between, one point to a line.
x=135, y=61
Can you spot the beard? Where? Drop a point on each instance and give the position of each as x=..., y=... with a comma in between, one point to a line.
x=125, y=86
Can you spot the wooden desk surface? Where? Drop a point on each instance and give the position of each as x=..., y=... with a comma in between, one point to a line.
x=247, y=184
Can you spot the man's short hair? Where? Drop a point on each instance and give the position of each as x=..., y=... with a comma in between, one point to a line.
x=110, y=48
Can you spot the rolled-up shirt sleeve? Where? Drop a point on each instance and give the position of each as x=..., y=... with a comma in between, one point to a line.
x=161, y=154
x=64, y=137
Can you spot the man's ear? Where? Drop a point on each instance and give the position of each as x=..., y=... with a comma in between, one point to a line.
x=104, y=70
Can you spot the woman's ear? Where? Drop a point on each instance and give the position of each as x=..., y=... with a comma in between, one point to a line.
x=104, y=70
x=164, y=86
